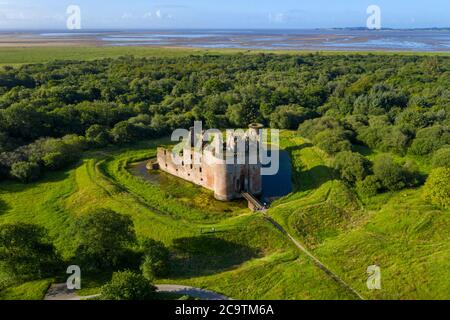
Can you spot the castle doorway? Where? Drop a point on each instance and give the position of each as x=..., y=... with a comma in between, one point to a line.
x=240, y=184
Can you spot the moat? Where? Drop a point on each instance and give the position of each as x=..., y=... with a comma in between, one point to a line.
x=274, y=187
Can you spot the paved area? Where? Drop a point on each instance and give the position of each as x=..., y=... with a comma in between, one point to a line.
x=59, y=291
x=190, y=291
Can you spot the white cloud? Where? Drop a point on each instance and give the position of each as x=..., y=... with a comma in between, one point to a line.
x=158, y=14
x=278, y=17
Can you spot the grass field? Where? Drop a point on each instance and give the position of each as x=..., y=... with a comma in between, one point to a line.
x=399, y=232
x=15, y=56
x=232, y=260
x=246, y=257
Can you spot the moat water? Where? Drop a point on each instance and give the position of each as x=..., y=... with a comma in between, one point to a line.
x=275, y=186
x=278, y=185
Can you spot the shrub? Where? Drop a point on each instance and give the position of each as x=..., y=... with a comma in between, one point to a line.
x=437, y=187
x=54, y=160
x=441, y=158
x=26, y=171
x=103, y=239
x=98, y=135
x=369, y=187
x=123, y=132
x=386, y=138
x=352, y=166
x=289, y=117
x=332, y=141
x=25, y=251
x=390, y=174
x=128, y=285
x=156, y=259
x=311, y=128
x=430, y=139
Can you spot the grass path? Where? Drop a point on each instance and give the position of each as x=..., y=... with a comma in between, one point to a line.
x=333, y=275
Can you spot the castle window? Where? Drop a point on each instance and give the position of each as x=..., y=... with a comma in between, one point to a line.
x=182, y=163
x=191, y=166
x=200, y=169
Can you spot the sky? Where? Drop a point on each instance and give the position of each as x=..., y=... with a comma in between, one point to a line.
x=221, y=14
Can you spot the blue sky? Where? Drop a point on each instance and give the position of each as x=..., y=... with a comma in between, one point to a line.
x=51, y=14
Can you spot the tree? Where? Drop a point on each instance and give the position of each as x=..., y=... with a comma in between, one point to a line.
x=352, y=166
x=98, y=135
x=156, y=259
x=332, y=141
x=26, y=171
x=369, y=187
x=25, y=250
x=390, y=174
x=123, y=132
x=104, y=237
x=437, y=187
x=430, y=139
x=127, y=285
x=441, y=158
x=289, y=117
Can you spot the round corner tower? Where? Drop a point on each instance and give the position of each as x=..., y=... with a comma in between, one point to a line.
x=233, y=179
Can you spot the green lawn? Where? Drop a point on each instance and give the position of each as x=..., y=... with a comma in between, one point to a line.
x=247, y=257
x=231, y=260
x=407, y=237
x=33, y=290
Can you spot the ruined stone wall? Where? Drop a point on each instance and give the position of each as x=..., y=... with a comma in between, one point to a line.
x=202, y=175
x=227, y=181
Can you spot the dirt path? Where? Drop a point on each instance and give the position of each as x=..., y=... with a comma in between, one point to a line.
x=330, y=273
x=60, y=292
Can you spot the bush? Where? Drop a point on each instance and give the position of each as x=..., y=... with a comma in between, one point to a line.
x=430, y=139
x=437, y=187
x=386, y=138
x=124, y=132
x=289, y=117
x=352, y=166
x=369, y=187
x=98, y=135
x=332, y=141
x=311, y=128
x=441, y=158
x=26, y=171
x=25, y=251
x=128, y=285
x=390, y=174
x=104, y=237
x=156, y=259
x=54, y=160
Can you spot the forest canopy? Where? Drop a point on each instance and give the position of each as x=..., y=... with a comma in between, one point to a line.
x=50, y=112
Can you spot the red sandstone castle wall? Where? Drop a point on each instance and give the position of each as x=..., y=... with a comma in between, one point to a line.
x=226, y=180
x=202, y=175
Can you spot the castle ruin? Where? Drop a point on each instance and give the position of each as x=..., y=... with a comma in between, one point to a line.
x=228, y=180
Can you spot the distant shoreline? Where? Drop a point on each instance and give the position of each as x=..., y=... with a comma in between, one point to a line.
x=347, y=39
